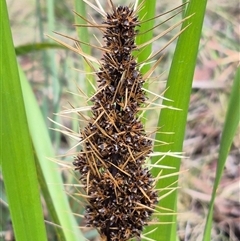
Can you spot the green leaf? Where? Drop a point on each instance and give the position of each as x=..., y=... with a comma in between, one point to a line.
x=178, y=89
x=32, y=47
x=48, y=171
x=17, y=159
x=146, y=12
x=229, y=130
x=83, y=33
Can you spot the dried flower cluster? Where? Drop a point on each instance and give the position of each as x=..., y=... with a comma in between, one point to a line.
x=121, y=195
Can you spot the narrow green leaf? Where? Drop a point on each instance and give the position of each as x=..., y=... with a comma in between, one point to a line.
x=147, y=12
x=178, y=89
x=83, y=33
x=32, y=47
x=49, y=173
x=229, y=130
x=54, y=69
x=17, y=160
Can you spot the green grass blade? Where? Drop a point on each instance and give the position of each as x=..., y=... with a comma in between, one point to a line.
x=83, y=33
x=54, y=80
x=147, y=12
x=229, y=130
x=17, y=159
x=49, y=174
x=32, y=47
x=179, y=89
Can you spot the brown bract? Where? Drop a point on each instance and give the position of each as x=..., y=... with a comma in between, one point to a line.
x=120, y=190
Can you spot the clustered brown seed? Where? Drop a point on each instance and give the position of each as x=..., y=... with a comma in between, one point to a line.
x=121, y=191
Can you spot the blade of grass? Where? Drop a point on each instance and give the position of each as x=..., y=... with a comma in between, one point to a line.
x=83, y=34
x=179, y=89
x=49, y=174
x=229, y=130
x=17, y=160
x=32, y=47
x=147, y=12
x=52, y=66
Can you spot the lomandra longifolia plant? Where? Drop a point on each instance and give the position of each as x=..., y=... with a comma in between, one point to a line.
x=119, y=188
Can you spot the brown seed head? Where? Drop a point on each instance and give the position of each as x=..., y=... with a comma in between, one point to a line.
x=122, y=196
